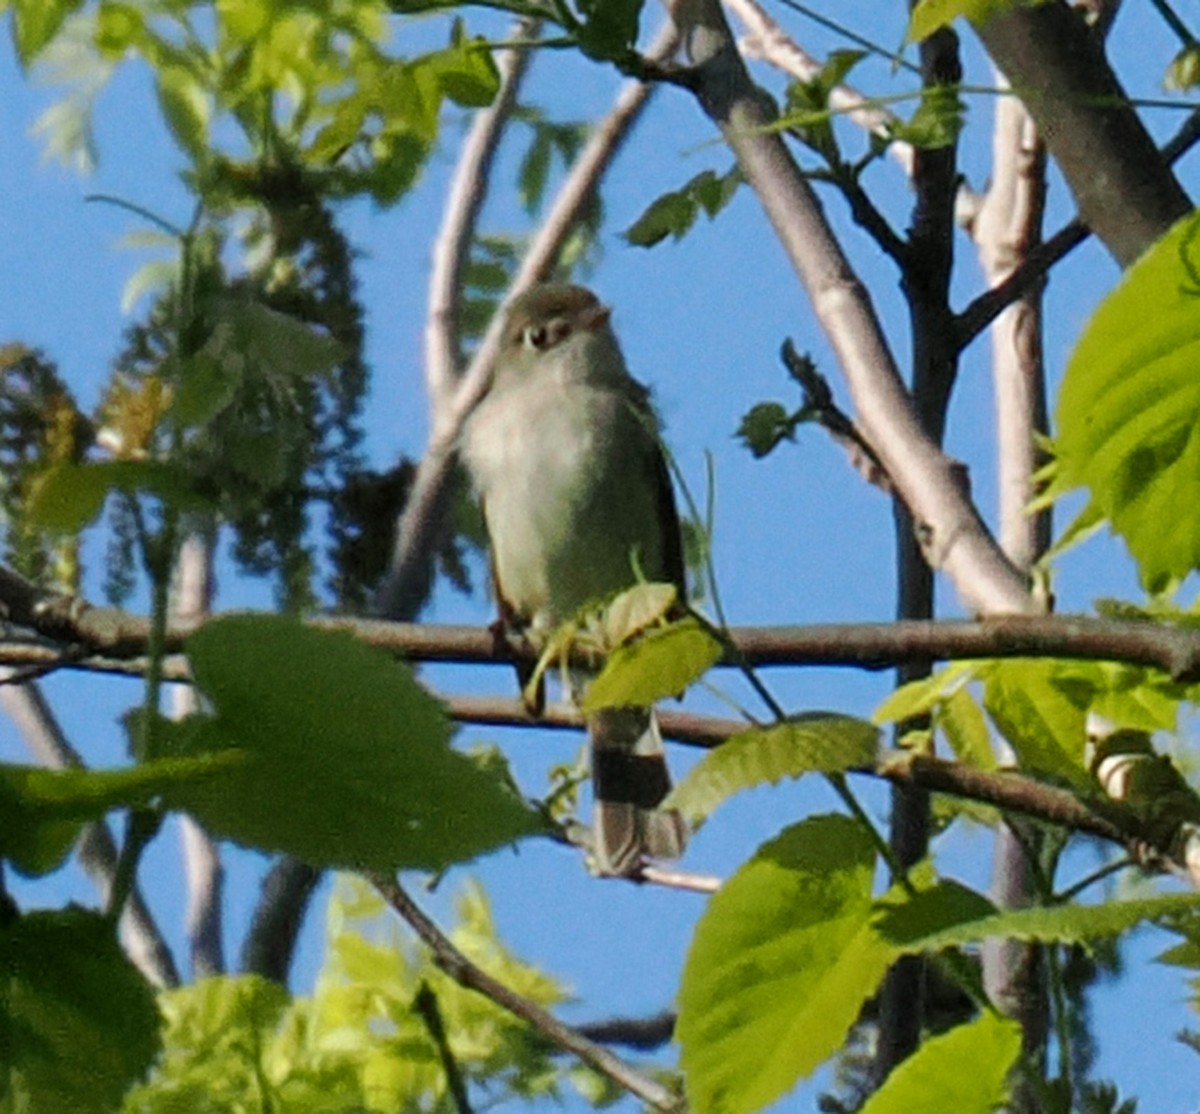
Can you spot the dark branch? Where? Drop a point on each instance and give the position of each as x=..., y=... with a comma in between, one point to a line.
x=271, y=940
x=465, y=973
x=113, y=640
x=426, y=1004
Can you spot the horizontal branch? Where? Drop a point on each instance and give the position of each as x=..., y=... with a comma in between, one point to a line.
x=1008, y=790
x=97, y=638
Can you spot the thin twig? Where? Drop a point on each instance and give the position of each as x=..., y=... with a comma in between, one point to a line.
x=466, y=973
x=464, y=201
x=118, y=639
x=766, y=40
x=426, y=1004
x=679, y=879
x=959, y=542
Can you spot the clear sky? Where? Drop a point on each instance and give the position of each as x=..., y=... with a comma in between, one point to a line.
x=799, y=538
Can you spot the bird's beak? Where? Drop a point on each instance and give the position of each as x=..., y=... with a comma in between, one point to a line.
x=596, y=318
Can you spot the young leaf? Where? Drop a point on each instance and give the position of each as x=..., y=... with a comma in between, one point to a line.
x=662, y=663
x=764, y=426
x=779, y=967
x=964, y=725
x=920, y=697
x=42, y=810
x=187, y=108
x=1126, y=412
x=79, y=1024
x=965, y=1070
x=248, y=334
x=36, y=22
x=348, y=760
x=1040, y=714
x=69, y=497
x=936, y=122
x=673, y=214
x=929, y=15
x=1072, y=924
x=635, y=610
x=816, y=742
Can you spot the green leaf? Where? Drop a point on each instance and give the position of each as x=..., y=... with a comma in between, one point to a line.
x=1130, y=696
x=118, y=28
x=764, y=426
x=36, y=22
x=342, y=131
x=965, y=727
x=79, y=1024
x=206, y=386
x=673, y=214
x=905, y=921
x=249, y=338
x=69, y=497
x=225, y=1045
x=929, y=15
x=1064, y=923
x=920, y=697
x=42, y=810
x=610, y=27
x=187, y=108
x=466, y=70
x=964, y=1071
x=937, y=122
x=1184, y=71
x=348, y=760
x=837, y=67
x=664, y=662
x=534, y=171
x=398, y=160
x=823, y=742
x=779, y=967
x=1041, y=714
x=1126, y=411
x=635, y=610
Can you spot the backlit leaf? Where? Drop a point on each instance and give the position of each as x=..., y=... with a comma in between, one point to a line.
x=348, y=761
x=779, y=967
x=823, y=742
x=1126, y=412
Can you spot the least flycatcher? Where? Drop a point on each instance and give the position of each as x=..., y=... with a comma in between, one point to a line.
x=565, y=456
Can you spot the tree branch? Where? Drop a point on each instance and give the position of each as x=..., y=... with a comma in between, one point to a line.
x=464, y=201
x=270, y=941
x=1124, y=189
x=203, y=869
x=766, y=40
x=466, y=973
x=1110, y=820
x=106, y=639
x=957, y=541
x=42, y=734
x=1006, y=227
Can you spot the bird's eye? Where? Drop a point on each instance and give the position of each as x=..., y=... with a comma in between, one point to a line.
x=537, y=336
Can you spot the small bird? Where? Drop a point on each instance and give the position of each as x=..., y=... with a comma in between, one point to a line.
x=565, y=456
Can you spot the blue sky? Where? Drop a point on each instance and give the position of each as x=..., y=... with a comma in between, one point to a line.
x=799, y=538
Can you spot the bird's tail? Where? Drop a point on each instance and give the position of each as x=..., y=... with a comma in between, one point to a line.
x=630, y=780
